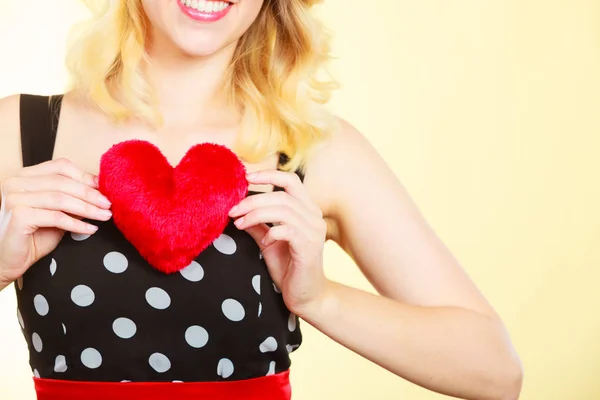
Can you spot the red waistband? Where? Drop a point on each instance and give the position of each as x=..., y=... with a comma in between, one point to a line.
x=272, y=387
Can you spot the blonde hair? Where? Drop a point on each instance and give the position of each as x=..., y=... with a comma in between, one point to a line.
x=274, y=76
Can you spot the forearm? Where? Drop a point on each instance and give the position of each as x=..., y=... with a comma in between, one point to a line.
x=453, y=351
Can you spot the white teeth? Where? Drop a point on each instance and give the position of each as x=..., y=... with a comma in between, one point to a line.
x=206, y=5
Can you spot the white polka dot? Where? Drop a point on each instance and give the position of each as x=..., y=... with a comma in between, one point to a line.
x=276, y=288
x=256, y=283
x=225, y=368
x=20, y=283
x=271, y=368
x=64, y=329
x=196, y=336
x=259, y=309
x=233, y=310
x=60, y=364
x=269, y=345
x=115, y=262
x=79, y=236
x=82, y=295
x=177, y=381
x=158, y=298
x=193, y=272
x=260, y=256
x=159, y=362
x=20, y=318
x=289, y=348
x=41, y=305
x=124, y=328
x=36, y=373
x=292, y=323
x=91, y=358
x=36, y=340
x=125, y=381
x=53, y=267
x=225, y=244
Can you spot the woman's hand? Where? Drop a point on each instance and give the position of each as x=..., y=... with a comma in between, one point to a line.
x=293, y=246
x=38, y=205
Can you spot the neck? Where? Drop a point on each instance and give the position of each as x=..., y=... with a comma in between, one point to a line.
x=188, y=89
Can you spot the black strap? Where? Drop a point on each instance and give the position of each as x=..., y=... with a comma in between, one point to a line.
x=39, y=123
x=284, y=159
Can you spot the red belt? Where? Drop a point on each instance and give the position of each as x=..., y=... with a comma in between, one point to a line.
x=272, y=387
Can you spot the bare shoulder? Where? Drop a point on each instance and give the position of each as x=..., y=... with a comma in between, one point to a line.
x=10, y=137
x=344, y=166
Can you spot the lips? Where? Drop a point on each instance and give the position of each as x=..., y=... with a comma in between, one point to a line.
x=205, y=10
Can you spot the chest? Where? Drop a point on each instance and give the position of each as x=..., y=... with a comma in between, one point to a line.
x=83, y=137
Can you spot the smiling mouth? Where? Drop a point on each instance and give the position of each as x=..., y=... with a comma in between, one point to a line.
x=206, y=6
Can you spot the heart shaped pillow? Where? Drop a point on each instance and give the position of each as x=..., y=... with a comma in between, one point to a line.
x=171, y=214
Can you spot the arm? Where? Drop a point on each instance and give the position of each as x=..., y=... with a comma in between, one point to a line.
x=432, y=325
x=10, y=145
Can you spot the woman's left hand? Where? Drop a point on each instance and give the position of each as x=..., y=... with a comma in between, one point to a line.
x=293, y=246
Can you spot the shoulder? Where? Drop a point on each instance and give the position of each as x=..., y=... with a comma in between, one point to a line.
x=10, y=140
x=14, y=111
x=333, y=160
x=345, y=167
x=9, y=110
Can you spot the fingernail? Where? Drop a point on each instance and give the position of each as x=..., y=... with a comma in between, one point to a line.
x=105, y=202
x=239, y=221
x=233, y=210
x=96, y=181
x=252, y=175
x=92, y=228
x=104, y=214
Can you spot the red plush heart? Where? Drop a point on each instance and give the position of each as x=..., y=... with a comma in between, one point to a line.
x=171, y=215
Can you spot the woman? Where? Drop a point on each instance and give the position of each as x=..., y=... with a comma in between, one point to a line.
x=100, y=323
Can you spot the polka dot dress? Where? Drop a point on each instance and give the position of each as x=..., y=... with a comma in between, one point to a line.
x=94, y=310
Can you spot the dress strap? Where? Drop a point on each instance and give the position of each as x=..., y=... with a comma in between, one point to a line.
x=283, y=159
x=39, y=123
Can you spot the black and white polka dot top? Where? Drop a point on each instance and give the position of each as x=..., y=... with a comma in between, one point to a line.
x=94, y=310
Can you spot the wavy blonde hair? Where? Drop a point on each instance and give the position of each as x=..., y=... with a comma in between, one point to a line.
x=277, y=76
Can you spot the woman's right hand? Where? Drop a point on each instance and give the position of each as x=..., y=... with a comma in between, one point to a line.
x=38, y=205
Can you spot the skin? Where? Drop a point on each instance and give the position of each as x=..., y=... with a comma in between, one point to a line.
x=433, y=326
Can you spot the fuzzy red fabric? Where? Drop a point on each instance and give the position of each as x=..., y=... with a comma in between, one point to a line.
x=171, y=215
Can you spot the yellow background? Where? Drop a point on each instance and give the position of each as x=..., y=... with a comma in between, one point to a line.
x=489, y=112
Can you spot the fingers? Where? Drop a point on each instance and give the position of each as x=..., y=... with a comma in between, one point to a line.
x=28, y=220
x=57, y=186
x=258, y=233
x=286, y=233
x=294, y=216
x=289, y=181
x=62, y=167
x=268, y=200
x=57, y=201
x=56, y=183
x=280, y=214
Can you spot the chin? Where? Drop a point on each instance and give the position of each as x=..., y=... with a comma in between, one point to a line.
x=203, y=46
x=200, y=27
